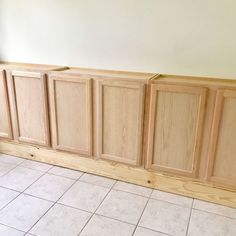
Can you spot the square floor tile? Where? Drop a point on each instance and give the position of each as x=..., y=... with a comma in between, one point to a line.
x=165, y=217
x=10, y=159
x=84, y=196
x=4, y=168
x=35, y=165
x=6, y=196
x=24, y=212
x=207, y=224
x=214, y=208
x=50, y=187
x=97, y=180
x=132, y=188
x=20, y=178
x=68, y=173
x=7, y=231
x=147, y=232
x=61, y=221
x=172, y=198
x=104, y=226
x=123, y=206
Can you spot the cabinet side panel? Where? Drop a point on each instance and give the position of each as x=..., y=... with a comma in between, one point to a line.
x=175, y=130
x=5, y=124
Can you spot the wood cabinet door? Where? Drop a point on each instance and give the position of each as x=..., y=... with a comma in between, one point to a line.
x=5, y=117
x=175, y=127
x=120, y=121
x=222, y=148
x=30, y=107
x=71, y=113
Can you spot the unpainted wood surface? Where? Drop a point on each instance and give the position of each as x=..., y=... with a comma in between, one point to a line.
x=180, y=185
x=5, y=119
x=29, y=95
x=177, y=116
x=30, y=67
x=71, y=114
x=121, y=121
x=222, y=166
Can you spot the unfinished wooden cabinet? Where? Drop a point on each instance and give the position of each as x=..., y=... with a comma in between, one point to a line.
x=175, y=128
x=222, y=148
x=120, y=111
x=71, y=112
x=5, y=117
x=29, y=106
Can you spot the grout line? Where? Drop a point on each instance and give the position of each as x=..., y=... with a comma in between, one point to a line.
x=228, y=217
x=16, y=165
x=142, y=213
x=54, y=203
x=9, y=202
x=108, y=217
x=12, y=228
x=190, y=215
x=96, y=209
x=164, y=234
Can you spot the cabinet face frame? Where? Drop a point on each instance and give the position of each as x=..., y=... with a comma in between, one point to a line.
x=9, y=134
x=120, y=84
x=217, y=118
x=33, y=75
x=201, y=92
x=53, y=107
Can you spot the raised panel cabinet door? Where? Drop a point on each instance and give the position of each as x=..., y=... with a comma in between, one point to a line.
x=120, y=121
x=71, y=113
x=222, y=148
x=5, y=117
x=29, y=98
x=175, y=126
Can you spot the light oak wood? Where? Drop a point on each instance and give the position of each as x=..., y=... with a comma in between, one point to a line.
x=120, y=120
x=28, y=94
x=175, y=128
x=71, y=113
x=6, y=65
x=222, y=149
x=179, y=185
x=5, y=117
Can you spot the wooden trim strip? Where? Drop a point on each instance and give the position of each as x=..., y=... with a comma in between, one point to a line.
x=179, y=185
x=8, y=135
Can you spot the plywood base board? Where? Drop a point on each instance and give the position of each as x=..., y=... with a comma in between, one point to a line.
x=178, y=185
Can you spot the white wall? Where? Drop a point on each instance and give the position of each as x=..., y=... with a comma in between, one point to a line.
x=191, y=37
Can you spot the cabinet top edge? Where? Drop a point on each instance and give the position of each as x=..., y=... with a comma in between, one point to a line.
x=165, y=78
x=5, y=65
x=100, y=74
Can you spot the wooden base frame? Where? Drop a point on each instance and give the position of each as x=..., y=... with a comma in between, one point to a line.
x=179, y=185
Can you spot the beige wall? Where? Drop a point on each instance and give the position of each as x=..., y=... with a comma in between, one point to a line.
x=191, y=37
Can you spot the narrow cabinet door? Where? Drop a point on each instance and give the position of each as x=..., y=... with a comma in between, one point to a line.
x=29, y=98
x=71, y=113
x=5, y=118
x=120, y=121
x=222, y=148
x=175, y=127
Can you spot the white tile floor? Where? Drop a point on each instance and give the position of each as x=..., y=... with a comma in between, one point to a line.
x=44, y=200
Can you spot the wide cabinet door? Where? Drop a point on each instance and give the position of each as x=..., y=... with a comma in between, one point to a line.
x=71, y=113
x=30, y=107
x=5, y=118
x=222, y=148
x=175, y=127
x=120, y=120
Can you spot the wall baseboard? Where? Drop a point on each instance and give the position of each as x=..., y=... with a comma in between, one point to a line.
x=179, y=185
